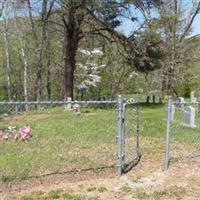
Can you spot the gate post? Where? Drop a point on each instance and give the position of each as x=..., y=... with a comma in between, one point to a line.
x=119, y=136
x=167, y=137
x=138, y=132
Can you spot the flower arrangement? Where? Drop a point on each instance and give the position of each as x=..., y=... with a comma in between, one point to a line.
x=10, y=132
x=25, y=133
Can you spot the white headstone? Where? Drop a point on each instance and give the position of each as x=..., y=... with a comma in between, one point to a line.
x=69, y=105
x=77, y=109
x=189, y=117
x=180, y=102
x=193, y=99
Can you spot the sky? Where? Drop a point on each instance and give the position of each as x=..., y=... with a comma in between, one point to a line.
x=196, y=25
x=127, y=26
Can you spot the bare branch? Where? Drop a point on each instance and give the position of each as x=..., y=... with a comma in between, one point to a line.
x=188, y=26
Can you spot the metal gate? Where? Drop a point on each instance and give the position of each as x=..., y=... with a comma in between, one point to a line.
x=128, y=135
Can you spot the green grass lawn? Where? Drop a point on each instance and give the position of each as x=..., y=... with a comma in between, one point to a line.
x=62, y=141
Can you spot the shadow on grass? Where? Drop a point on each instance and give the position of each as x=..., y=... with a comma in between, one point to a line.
x=151, y=105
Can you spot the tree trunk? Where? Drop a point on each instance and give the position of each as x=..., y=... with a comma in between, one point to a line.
x=70, y=54
x=23, y=56
x=48, y=85
x=38, y=80
x=25, y=75
x=71, y=42
x=8, y=69
x=39, y=47
x=48, y=67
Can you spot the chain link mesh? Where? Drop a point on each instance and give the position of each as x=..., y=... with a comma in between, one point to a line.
x=62, y=141
x=131, y=132
x=184, y=141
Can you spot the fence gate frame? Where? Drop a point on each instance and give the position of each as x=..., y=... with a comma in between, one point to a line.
x=121, y=166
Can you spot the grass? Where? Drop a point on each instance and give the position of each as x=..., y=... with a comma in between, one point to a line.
x=63, y=142
x=126, y=189
x=94, y=189
x=173, y=192
x=52, y=195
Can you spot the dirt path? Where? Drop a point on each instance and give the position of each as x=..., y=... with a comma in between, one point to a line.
x=146, y=181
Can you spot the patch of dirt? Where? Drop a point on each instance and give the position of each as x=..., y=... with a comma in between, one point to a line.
x=146, y=181
x=51, y=181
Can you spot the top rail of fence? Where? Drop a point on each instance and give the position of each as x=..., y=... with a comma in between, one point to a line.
x=56, y=102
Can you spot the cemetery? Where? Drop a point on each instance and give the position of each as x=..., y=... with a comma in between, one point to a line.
x=93, y=130
x=99, y=100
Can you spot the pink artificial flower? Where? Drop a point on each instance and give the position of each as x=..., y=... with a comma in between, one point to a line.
x=25, y=133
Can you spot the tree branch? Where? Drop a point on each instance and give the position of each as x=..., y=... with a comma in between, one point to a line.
x=188, y=26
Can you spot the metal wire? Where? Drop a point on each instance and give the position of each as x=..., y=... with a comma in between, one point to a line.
x=65, y=138
x=184, y=141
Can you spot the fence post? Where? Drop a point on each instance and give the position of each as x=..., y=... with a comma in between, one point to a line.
x=167, y=139
x=16, y=109
x=138, y=132
x=123, y=133
x=120, y=136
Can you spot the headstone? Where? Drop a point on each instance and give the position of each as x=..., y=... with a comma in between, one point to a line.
x=188, y=117
x=69, y=105
x=180, y=102
x=193, y=99
x=77, y=109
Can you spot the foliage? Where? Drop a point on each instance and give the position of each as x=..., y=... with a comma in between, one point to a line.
x=127, y=62
x=148, y=54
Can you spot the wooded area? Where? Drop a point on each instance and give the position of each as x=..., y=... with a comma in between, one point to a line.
x=55, y=49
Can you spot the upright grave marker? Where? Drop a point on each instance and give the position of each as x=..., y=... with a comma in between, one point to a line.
x=188, y=117
x=179, y=103
x=69, y=105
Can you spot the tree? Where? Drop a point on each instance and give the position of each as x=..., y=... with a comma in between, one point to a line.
x=88, y=70
x=81, y=18
x=175, y=23
x=4, y=13
x=40, y=40
x=20, y=35
x=72, y=21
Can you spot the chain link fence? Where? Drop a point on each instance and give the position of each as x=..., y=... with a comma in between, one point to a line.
x=128, y=134
x=182, y=142
x=66, y=137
